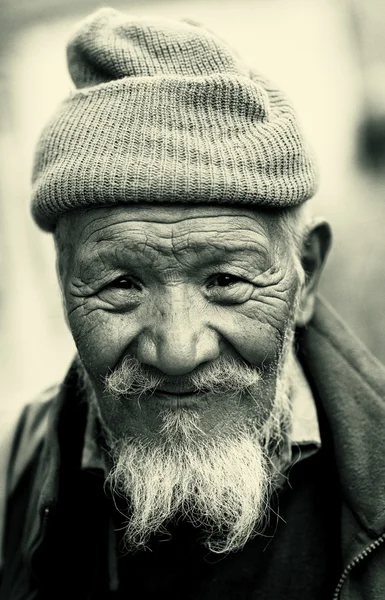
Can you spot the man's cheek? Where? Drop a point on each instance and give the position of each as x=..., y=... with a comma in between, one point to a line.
x=258, y=328
x=100, y=338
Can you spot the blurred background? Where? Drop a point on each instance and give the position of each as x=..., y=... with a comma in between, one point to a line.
x=328, y=55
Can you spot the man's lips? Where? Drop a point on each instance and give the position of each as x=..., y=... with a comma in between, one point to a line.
x=178, y=399
x=177, y=392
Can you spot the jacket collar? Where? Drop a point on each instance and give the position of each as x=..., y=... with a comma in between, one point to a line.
x=350, y=383
x=57, y=469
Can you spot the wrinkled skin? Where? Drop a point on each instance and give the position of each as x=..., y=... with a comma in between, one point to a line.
x=177, y=287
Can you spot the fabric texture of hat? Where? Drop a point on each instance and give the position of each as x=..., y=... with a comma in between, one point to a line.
x=164, y=111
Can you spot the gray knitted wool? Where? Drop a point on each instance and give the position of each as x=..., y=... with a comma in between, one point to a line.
x=165, y=112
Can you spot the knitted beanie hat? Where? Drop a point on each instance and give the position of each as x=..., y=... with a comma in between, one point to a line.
x=165, y=111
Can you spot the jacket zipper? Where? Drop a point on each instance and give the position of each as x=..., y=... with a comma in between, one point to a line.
x=368, y=550
x=43, y=528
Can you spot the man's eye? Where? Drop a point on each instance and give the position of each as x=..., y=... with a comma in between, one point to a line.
x=224, y=280
x=123, y=293
x=124, y=283
x=226, y=288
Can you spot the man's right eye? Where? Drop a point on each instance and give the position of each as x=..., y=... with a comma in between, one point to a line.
x=123, y=293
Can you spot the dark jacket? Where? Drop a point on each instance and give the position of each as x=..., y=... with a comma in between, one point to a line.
x=45, y=460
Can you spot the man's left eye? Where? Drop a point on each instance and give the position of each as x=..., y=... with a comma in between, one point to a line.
x=226, y=288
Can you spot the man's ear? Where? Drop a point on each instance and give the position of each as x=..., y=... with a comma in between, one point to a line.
x=314, y=251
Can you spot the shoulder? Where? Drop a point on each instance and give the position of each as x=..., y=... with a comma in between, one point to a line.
x=23, y=436
x=333, y=349
x=29, y=434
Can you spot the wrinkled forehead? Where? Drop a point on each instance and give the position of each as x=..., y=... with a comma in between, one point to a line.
x=173, y=228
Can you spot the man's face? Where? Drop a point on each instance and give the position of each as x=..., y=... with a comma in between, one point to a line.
x=178, y=290
x=183, y=318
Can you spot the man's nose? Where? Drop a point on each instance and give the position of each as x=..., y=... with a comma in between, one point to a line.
x=180, y=338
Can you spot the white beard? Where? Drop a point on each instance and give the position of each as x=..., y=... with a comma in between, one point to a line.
x=221, y=483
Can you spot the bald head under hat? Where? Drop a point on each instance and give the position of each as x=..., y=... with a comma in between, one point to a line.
x=166, y=112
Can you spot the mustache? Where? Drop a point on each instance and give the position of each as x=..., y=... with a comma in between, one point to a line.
x=224, y=376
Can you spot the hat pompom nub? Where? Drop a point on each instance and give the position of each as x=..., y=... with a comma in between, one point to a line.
x=164, y=111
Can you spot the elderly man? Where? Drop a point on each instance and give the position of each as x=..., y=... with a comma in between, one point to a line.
x=220, y=432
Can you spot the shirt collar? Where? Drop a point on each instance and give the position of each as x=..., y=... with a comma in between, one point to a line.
x=303, y=438
x=92, y=457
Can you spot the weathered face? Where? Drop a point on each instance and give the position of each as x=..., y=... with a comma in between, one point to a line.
x=178, y=288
